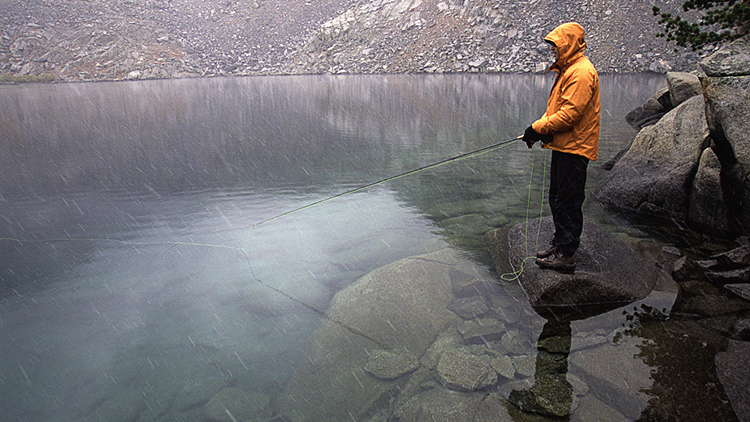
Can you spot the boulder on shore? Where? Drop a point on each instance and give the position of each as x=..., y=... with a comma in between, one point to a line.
x=607, y=270
x=727, y=93
x=654, y=176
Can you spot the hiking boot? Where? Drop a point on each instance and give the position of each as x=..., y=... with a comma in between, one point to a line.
x=557, y=261
x=547, y=252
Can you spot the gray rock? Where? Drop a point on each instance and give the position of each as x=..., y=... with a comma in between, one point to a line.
x=707, y=208
x=651, y=177
x=439, y=404
x=503, y=365
x=682, y=87
x=464, y=371
x=482, y=330
x=687, y=269
x=651, y=111
x=469, y=307
x=493, y=409
x=737, y=257
x=401, y=307
x=732, y=60
x=734, y=372
x=727, y=94
x=741, y=275
x=741, y=330
x=388, y=365
x=234, y=404
x=607, y=270
x=124, y=406
x=741, y=290
x=624, y=388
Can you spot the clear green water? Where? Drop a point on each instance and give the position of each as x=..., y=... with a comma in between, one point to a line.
x=137, y=282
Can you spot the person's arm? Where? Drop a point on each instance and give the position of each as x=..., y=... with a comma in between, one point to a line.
x=575, y=97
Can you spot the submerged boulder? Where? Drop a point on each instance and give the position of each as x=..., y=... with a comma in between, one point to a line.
x=375, y=331
x=607, y=270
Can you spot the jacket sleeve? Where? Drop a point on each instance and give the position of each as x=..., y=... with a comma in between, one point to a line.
x=574, y=99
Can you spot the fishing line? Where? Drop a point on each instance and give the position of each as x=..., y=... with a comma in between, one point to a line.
x=514, y=275
x=319, y=312
x=460, y=157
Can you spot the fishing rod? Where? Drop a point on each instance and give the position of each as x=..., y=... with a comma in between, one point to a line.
x=459, y=157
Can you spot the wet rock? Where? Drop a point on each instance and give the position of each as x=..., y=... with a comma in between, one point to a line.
x=741, y=330
x=651, y=111
x=503, y=365
x=735, y=258
x=493, y=409
x=468, y=284
x=708, y=208
x=727, y=93
x=650, y=178
x=125, y=406
x=440, y=404
x=607, y=270
x=682, y=86
x=624, y=386
x=551, y=397
x=469, y=307
x=592, y=409
x=734, y=373
x=481, y=331
x=401, y=307
x=388, y=365
x=234, y=404
x=741, y=290
x=741, y=275
x=463, y=371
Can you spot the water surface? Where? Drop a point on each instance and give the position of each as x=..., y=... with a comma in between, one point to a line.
x=144, y=267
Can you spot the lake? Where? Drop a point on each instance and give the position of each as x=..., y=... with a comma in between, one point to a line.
x=163, y=241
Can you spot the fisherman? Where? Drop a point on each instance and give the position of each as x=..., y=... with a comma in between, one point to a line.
x=570, y=128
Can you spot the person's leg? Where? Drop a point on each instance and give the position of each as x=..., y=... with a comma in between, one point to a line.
x=567, y=193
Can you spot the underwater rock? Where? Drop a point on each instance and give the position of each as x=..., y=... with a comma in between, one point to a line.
x=734, y=373
x=469, y=307
x=388, y=365
x=401, y=307
x=234, y=404
x=442, y=405
x=503, y=365
x=607, y=270
x=464, y=371
x=125, y=406
x=481, y=331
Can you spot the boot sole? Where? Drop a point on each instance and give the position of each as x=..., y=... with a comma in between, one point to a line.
x=559, y=267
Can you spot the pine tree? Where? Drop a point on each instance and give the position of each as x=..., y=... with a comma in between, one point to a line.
x=719, y=21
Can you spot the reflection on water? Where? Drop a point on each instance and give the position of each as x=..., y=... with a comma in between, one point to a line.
x=138, y=285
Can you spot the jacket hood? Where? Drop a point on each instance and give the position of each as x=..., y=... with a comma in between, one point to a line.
x=569, y=40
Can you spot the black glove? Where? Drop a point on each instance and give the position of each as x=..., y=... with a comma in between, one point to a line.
x=530, y=136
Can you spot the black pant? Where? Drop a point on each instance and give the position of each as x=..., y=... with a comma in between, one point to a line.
x=566, y=195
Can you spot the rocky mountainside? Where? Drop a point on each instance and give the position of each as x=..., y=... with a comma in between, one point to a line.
x=76, y=40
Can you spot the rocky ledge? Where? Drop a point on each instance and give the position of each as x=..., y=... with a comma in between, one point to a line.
x=79, y=40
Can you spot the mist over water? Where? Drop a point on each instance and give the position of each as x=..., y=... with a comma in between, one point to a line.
x=143, y=268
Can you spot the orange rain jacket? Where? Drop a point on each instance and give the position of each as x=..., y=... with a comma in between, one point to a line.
x=573, y=107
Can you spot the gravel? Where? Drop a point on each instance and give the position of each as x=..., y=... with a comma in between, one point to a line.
x=86, y=40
